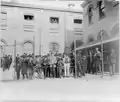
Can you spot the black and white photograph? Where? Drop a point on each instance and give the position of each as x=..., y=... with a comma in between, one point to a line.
x=59, y=51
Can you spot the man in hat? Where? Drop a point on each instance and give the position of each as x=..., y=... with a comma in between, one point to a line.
x=89, y=62
x=30, y=67
x=17, y=66
x=78, y=65
x=112, y=62
x=53, y=62
x=98, y=60
x=66, y=60
x=84, y=65
x=24, y=67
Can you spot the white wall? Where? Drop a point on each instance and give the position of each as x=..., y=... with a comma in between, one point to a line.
x=71, y=27
x=41, y=31
x=52, y=35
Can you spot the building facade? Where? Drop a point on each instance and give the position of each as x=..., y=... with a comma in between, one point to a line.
x=36, y=29
x=101, y=27
x=100, y=15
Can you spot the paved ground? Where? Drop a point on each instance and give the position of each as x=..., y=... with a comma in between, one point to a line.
x=91, y=88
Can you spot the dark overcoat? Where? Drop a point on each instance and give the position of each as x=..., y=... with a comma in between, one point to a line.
x=24, y=66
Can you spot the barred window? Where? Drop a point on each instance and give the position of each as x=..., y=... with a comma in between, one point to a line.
x=28, y=22
x=54, y=20
x=3, y=21
x=28, y=17
x=78, y=21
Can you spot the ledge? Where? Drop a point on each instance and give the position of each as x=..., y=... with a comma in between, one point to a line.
x=39, y=7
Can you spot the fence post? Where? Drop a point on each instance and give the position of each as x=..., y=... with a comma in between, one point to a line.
x=75, y=54
x=15, y=58
x=34, y=47
x=102, y=53
x=40, y=41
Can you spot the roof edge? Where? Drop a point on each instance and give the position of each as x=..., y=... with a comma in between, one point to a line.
x=3, y=3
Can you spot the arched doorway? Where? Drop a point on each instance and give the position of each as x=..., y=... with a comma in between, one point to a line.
x=28, y=47
x=54, y=47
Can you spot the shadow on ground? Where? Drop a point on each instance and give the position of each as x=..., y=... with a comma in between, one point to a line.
x=11, y=80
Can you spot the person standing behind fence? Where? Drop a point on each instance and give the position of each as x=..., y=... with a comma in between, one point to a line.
x=66, y=60
x=78, y=64
x=89, y=63
x=44, y=66
x=2, y=64
x=57, y=67
x=61, y=67
x=84, y=65
x=24, y=67
x=48, y=65
x=9, y=60
x=53, y=62
x=18, y=66
x=30, y=67
x=5, y=62
x=98, y=60
x=112, y=62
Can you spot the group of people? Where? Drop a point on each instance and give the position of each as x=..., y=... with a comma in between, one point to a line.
x=48, y=66
x=58, y=66
x=5, y=62
x=91, y=63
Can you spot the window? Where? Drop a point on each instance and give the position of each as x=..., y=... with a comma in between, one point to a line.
x=28, y=17
x=4, y=15
x=3, y=21
x=28, y=22
x=78, y=21
x=101, y=5
x=90, y=14
x=54, y=47
x=54, y=20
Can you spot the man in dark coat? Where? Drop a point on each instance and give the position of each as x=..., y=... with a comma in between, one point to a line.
x=98, y=60
x=94, y=69
x=44, y=65
x=78, y=64
x=5, y=62
x=84, y=65
x=60, y=67
x=30, y=67
x=24, y=67
x=9, y=60
x=48, y=65
x=17, y=67
x=89, y=63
